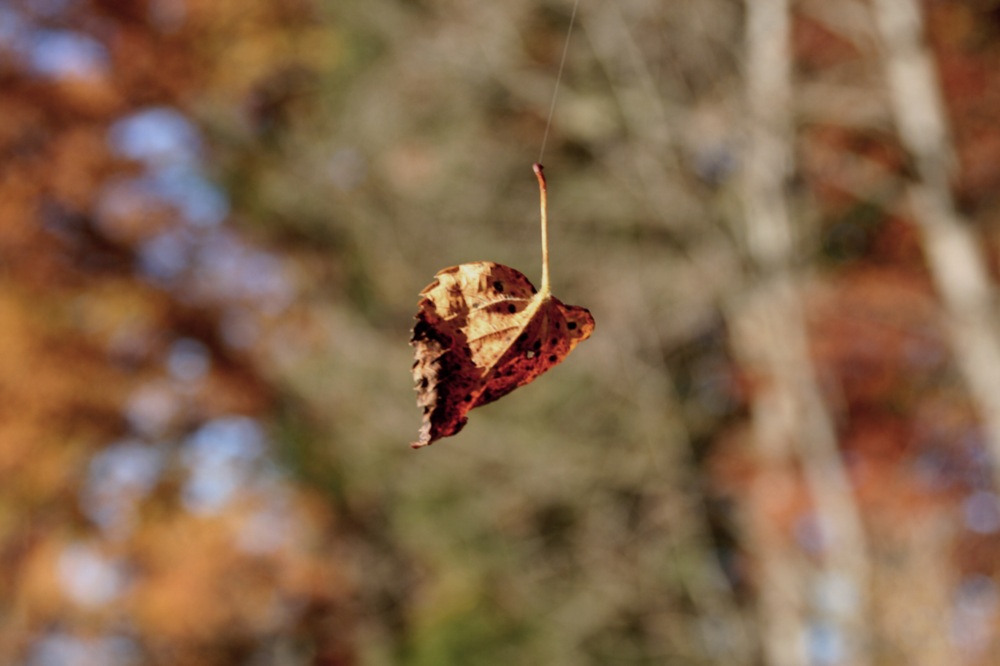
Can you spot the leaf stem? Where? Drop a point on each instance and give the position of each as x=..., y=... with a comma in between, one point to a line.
x=544, y=290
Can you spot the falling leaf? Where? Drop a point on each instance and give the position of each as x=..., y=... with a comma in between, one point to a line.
x=482, y=331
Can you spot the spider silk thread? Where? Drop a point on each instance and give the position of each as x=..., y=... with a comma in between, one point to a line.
x=555, y=91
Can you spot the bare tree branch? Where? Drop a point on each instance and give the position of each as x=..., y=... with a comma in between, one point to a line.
x=792, y=426
x=956, y=262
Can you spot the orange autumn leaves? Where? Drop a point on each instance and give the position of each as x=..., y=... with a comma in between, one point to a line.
x=482, y=331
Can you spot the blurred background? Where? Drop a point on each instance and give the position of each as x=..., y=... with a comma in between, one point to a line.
x=780, y=447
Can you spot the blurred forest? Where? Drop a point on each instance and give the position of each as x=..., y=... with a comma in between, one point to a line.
x=781, y=446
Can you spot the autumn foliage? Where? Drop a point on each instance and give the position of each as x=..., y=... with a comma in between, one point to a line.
x=214, y=218
x=119, y=391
